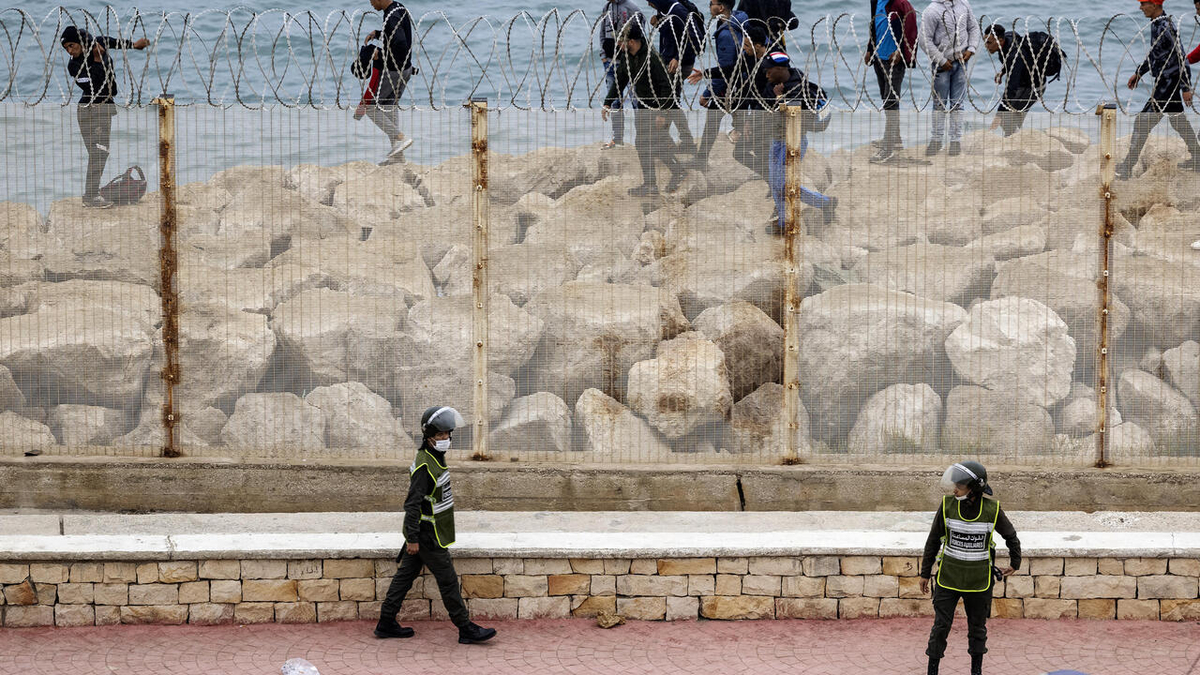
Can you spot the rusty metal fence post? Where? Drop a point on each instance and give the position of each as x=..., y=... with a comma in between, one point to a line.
x=793, y=138
x=1108, y=137
x=479, y=269
x=168, y=265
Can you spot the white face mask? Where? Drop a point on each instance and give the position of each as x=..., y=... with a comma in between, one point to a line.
x=442, y=446
x=963, y=497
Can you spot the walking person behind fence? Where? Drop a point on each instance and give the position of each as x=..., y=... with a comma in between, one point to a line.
x=91, y=67
x=613, y=17
x=680, y=37
x=1028, y=62
x=949, y=34
x=891, y=50
x=716, y=100
x=396, y=69
x=1172, y=89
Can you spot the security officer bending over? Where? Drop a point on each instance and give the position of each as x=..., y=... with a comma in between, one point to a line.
x=428, y=530
x=962, y=529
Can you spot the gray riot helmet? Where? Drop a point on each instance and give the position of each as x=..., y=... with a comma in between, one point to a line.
x=970, y=474
x=438, y=419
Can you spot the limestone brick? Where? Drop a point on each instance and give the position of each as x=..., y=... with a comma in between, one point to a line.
x=525, y=586
x=544, y=608
x=193, y=592
x=358, y=589
x=729, y=584
x=803, y=587
x=315, y=590
x=269, y=590
x=761, y=584
x=603, y=584
x=219, y=569
x=901, y=566
x=75, y=594
x=385, y=568
x=881, y=586
x=482, y=585
x=147, y=573
x=1166, y=586
x=1046, y=566
x=1080, y=567
x=1098, y=608
x=860, y=565
x=1111, y=566
x=737, y=607
x=909, y=587
x=843, y=587
x=473, y=565
x=494, y=608
x=643, y=609
x=1179, y=610
x=120, y=572
x=264, y=569
x=1047, y=587
x=1137, y=610
x=171, y=615
x=49, y=573
x=806, y=608
x=858, y=608
x=108, y=616
x=28, y=616
x=1142, y=567
x=536, y=566
x=308, y=569
x=74, y=615
x=343, y=610
x=776, y=566
x=677, y=566
x=1184, y=567
x=225, y=591
x=86, y=573
x=617, y=566
x=733, y=565
x=295, y=612
x=352, y=568
x=13, y=573
x=153, y=594
x=210, y=614
x=683, y=609
x=568, y=584
x=588, y=606
x=1007, y=608
x=897, y=608
x=646, y=585
x=1050, y=608
x=587, y=565
x=507, y=566
x=1098, y=587
x=110, y=594
x=177, y=571
x=1019, y=587
x=47, y=594
x=822, y=566
x=643, y=566
x=702, y=584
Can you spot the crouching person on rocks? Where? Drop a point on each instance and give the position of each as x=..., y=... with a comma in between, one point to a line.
x=961, y=541
x=428, y=531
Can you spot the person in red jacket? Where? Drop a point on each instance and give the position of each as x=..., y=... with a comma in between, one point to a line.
x=891, y=49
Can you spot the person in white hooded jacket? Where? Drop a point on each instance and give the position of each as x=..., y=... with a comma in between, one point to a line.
x=949, y=34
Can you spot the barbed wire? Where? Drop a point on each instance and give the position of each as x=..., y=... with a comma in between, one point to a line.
x=254, y=59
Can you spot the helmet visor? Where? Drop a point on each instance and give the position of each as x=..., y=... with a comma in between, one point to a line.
x=957, y=474
x=444, y=419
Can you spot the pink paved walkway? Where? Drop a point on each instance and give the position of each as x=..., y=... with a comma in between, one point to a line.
x=868, y=647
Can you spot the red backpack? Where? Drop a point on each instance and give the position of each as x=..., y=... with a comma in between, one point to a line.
x=126, y=189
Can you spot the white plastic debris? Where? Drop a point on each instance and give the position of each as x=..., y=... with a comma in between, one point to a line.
x=298, y=667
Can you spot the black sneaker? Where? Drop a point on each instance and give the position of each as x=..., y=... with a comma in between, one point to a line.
x=645, y=190
x=473, y=633
x=884, y=155
x=97, y=202
x=933, y=148
x=675, y=182
x=955, y=149
x=384, y=629
x=1123, y=172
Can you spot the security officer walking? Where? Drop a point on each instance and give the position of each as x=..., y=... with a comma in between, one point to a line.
x=961, y=541
x=428, y=531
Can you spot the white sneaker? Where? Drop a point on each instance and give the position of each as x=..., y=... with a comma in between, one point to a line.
x=1196, y=245
x=398, y=148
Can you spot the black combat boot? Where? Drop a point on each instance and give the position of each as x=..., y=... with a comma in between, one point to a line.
x=977, y=664
x=391, y=629
x=933, y=666
x=474, y=633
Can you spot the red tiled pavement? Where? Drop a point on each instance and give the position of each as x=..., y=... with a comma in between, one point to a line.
x=866, y=647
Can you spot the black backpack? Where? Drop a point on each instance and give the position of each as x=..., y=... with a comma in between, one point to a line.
x=126, y=189
x=1047, y=55
x=693, y=30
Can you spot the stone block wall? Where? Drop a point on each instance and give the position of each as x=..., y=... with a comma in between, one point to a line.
x=810, y=587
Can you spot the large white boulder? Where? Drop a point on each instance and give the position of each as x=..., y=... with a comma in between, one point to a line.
x=275, y=425
x=382, y=267
x=750, y=340
x=757, y=424
x=1158, y=408
x=11, y=396
x=520, y=271
x=949, y=273
x=441, y=331
x=1165, y=298
x=537, y=423
x=901, y=418
x=1017, y=346
x=83, y=425
x=982, y=421
x=1183, y=369
x=612, y=430
x=21, y=433
x=714, y=276
x=358, y=419
x=684, y=388
x=857, y=338
x=223, y=353
x=103, y=244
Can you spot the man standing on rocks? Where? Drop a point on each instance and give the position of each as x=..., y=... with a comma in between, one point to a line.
x=613, y=17
x=428, y=531
x=1028, y=62
x=961, y=542
x=397, y=38
x=680, y=37
x=1172, y=90
x=640, y=67
x=950, y=36
x=91, y=67
x=891, y=50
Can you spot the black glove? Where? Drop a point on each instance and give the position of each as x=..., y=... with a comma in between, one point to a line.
x=997, y=574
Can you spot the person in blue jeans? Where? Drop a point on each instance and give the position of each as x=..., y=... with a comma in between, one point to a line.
x=613, y=17
x=949, y=34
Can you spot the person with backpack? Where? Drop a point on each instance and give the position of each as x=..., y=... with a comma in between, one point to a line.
x=640, y=68
x=727, y=37
x=960, y=542
x=1028, y=62
x=92, y=69
x=949, y=34
x=429, y=532
x=397, y=69
x=613, y=17
x=1172, y=90
x=891, y=51
x=680, y=37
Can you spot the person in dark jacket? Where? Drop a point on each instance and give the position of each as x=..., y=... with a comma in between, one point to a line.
x=640, y=67
x=1172, y=90
x=891, y=50
x=91, y=67
x=428, y=531
x=613, y=17
x=775, y=16
x=1023, y=66
x=727, y=37
x=960, y=540
x=397, y=69
x=678, y=46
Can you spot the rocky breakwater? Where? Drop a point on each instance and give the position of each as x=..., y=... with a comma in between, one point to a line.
x=946, y=308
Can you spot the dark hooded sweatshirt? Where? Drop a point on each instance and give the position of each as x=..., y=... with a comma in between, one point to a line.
x=96, y=79
x=397, y=38
x=676, y=39
x=647, y=74
x=1165, y=62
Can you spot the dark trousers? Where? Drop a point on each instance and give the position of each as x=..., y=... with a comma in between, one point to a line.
x=891, y=81
x=95, y=126
x=654, y=142
x=1149, y=118
x=1012, y=112
x=679, y=119
x=712, y=126
x=978, y=607
x=759, y=128
x=440, y=564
